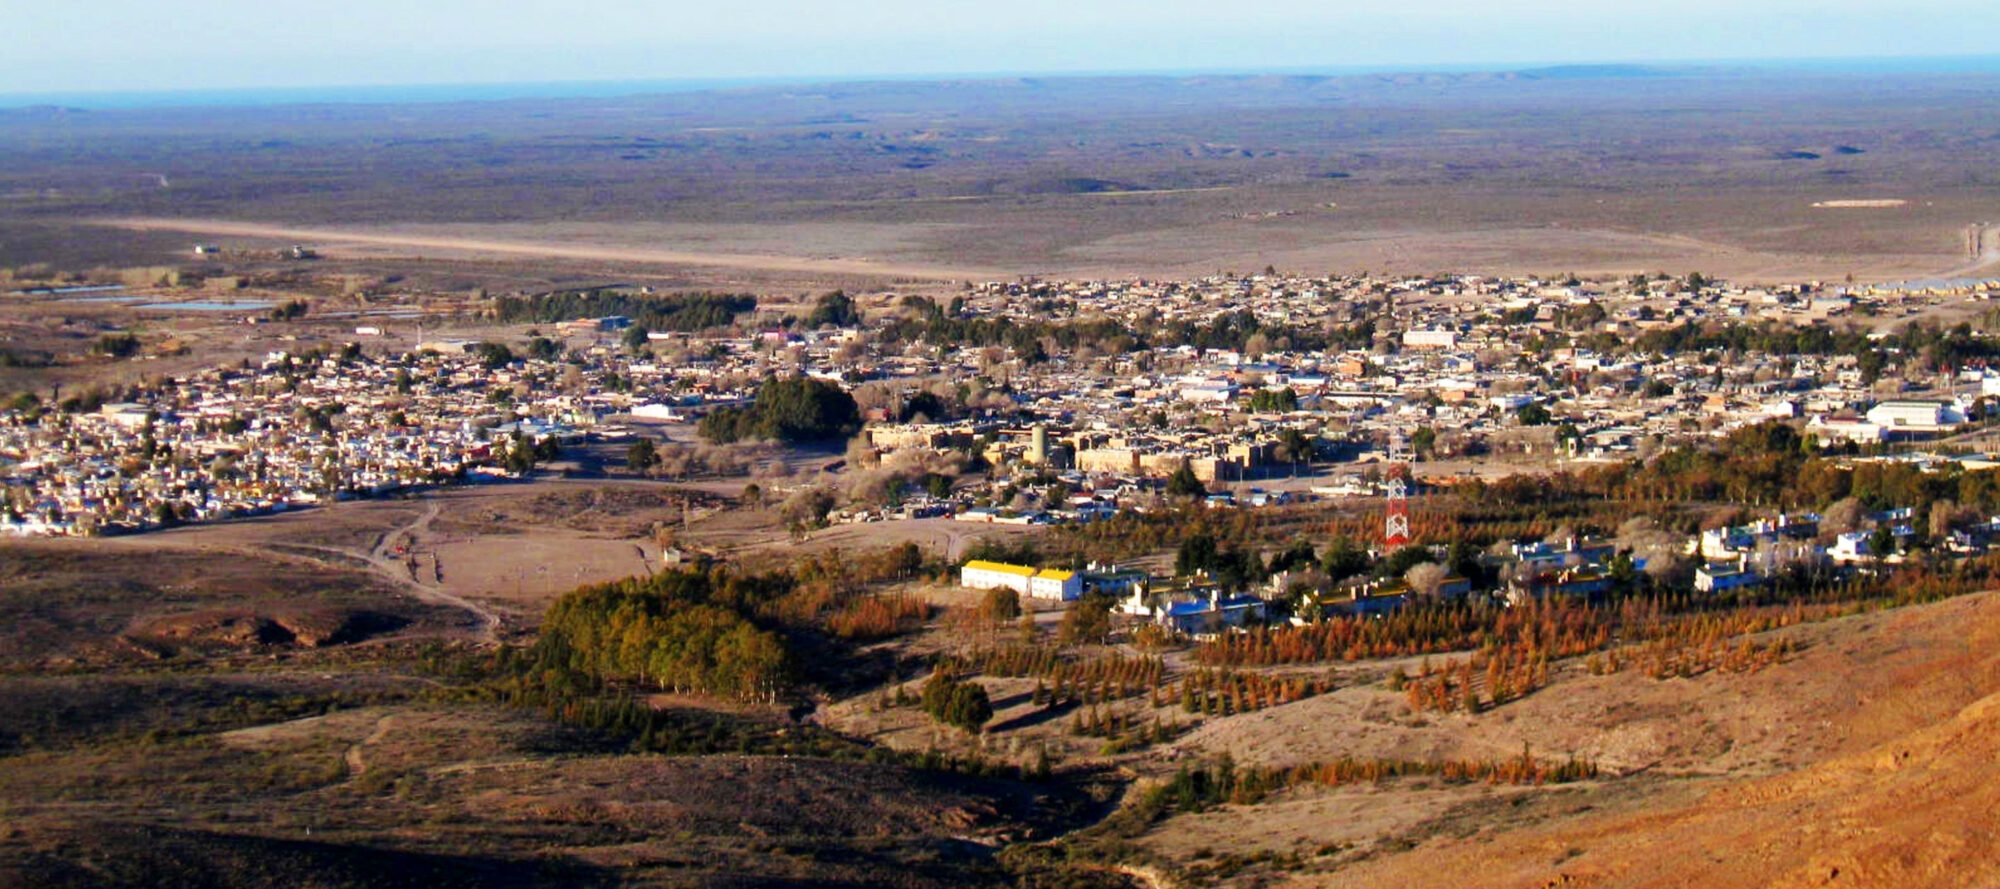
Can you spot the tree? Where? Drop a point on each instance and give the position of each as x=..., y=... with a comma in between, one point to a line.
x=807, y=507
x=1401, y=561
x=1424, y=441
x=1299, y=555
x=493, y=356
x=1533, y=414
x=521, y=456
x=1882, y=543
x=1294, y=447
x=636, y=337
x=116, y=345
x=1343, y=559
x=1183, y=483
x=1274, y=400
x=789, y=410
x=1568, y=437
x=642, y=455
x=1424, y=579
x=1000, y=604
x=1197, y=552
x=836, y=308
x=1088, y=622
x=956, y=703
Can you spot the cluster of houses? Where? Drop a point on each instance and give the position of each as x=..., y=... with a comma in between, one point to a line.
x=1726, y=560
x=1476, y=365
x=229, y=443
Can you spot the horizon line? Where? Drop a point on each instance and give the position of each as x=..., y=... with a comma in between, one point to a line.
x=507, y=90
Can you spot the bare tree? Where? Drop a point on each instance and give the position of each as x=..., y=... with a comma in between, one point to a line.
x=1424, y=579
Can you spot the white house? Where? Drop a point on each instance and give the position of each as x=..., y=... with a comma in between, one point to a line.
x=1851, y=546
x=1715, y=577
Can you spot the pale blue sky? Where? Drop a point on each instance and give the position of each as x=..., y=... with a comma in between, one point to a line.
x=77, y=45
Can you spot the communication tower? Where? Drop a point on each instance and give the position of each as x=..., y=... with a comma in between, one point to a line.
x=1396, y=518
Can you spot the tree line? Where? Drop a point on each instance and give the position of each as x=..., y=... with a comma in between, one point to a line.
x=684, y=312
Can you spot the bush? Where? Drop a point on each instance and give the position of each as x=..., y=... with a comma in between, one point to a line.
x=952, y=702
x=1000, y=604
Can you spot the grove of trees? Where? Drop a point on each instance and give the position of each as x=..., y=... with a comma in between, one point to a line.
x=790, y=410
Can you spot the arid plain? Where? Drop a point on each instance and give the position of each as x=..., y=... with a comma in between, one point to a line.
x=301, y=699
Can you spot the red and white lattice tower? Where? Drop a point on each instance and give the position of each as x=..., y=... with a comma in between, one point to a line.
x=1396, y=522
x=1396, y=518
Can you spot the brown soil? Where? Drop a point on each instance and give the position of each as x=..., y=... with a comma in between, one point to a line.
x=1865, y=760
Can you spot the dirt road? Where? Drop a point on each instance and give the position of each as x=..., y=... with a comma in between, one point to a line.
x=378, y=556
x=333, y=241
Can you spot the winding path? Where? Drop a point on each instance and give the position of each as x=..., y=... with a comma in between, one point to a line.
x=489, y=620
x=395, y=572
x=356, y=765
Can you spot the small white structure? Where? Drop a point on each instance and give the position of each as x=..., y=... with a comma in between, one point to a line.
x=1211, y=391
x=653, y=410
x=126, y=414
x=1430, y=339
x=1852, y=546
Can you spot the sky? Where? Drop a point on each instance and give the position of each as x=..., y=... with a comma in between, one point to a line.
x=68, y=46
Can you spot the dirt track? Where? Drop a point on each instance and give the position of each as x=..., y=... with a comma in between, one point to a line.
x=335, y=242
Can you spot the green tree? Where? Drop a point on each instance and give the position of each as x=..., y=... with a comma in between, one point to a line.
x=116, y=345
x=1198, y=552
x=837, y=309
x=1401, y=561
x=1274, y=400
x=1533, y=414
x=1294, y=447
x=1183, y=483
x=493, y=356
x=1000, y=604
x=956, y=703
x=1088, y=622
x=642, y=455
x=1424, y=441
x=789, y=410
x=636, y=338
x=1343, y=559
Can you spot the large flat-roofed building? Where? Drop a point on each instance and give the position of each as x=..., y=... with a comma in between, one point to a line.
x=979, y=574
x=1045, y=583
x=1052, y=583
x=1915, y=416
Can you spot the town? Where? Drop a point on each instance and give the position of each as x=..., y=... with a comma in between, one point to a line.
x=1039, y=403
